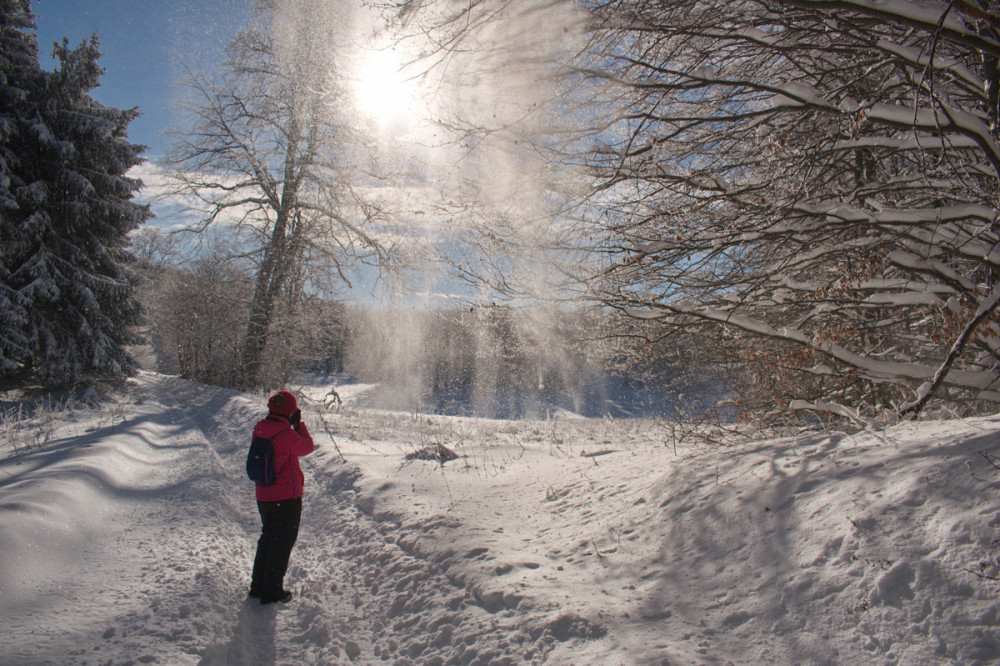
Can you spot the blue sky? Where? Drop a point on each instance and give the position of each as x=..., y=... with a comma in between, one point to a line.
x=142, y=41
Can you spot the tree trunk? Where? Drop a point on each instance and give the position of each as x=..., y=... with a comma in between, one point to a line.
x=269, y=282
x=278, y=254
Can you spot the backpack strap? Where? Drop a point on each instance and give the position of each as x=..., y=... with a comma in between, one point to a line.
x=272, y=417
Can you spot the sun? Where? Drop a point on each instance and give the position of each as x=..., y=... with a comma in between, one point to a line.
x=381, y=89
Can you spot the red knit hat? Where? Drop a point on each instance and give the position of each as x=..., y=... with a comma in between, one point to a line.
x=282, y=403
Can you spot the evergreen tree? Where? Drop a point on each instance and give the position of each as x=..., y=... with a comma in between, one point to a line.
x=66, y=302
x=19, y=75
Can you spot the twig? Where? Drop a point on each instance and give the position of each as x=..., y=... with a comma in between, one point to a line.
x=980, y=574
x=926, y=391
x=326, y=427
x=594, y=454
x=990, y=459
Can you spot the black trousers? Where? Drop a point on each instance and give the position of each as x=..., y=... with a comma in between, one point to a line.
x=279, y=530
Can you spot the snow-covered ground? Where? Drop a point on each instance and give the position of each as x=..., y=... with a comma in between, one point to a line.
x=127, y=530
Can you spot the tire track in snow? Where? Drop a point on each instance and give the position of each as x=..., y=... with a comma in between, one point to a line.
x=244, y=631
x=142, y=578
x=195, y=587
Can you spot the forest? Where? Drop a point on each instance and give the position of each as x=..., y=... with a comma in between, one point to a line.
x=783, y=207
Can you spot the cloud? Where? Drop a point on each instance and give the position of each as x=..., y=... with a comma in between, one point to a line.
x=172, y=212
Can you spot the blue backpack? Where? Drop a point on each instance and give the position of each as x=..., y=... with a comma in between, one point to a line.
x=260, y=462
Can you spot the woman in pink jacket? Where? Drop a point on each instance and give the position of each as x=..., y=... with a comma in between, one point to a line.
x=280, y=504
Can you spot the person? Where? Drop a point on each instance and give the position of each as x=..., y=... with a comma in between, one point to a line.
x=279, y=504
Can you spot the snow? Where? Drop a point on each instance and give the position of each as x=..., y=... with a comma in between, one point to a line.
x=127, y=530
x=794, y=94
x=871, y=367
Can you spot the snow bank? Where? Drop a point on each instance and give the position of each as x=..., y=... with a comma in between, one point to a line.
x=823, y=548
x=128, y=537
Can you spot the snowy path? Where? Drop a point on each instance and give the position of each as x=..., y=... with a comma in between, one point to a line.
x=126, y=537
x=147, y=525
x=133, y=526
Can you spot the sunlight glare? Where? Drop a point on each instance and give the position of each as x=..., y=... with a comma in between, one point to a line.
x=382, y=91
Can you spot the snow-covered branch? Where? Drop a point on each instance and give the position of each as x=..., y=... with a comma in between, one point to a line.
x=813, y=187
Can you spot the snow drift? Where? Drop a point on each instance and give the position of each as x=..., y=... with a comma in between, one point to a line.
x=126, y=535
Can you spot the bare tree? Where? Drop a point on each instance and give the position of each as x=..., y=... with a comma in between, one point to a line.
x=269, y=155
x=200, y=317
x=816, y=182
x=806, y=189
x=194, y=312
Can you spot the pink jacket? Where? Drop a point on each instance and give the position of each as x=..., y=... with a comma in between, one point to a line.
x=288, y=445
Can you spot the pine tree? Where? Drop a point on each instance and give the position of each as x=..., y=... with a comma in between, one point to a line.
x=66, y=302
x=19, y=75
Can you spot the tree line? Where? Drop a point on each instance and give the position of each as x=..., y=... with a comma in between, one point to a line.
x=798, y=197
x=493, y=360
